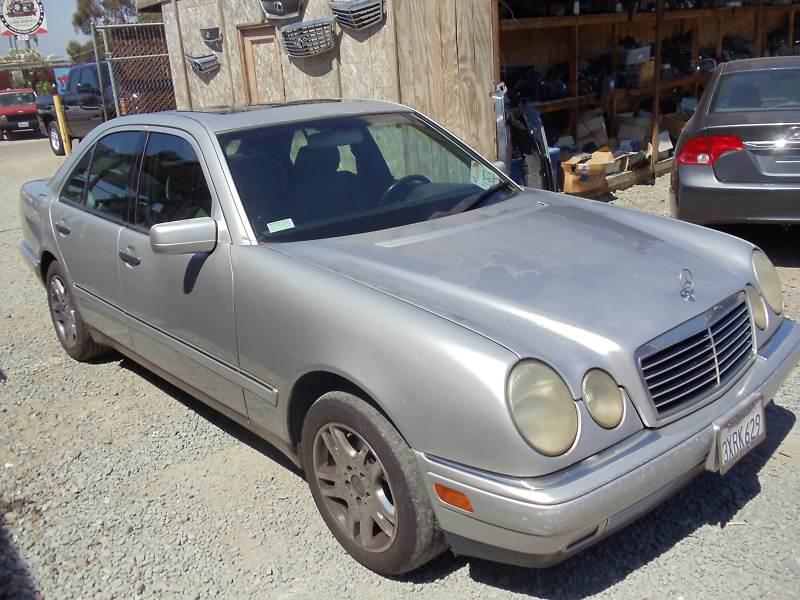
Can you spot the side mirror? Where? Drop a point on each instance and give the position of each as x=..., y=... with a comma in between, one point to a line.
x=191, y=236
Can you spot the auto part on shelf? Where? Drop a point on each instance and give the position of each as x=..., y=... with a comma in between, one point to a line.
x=358, y=14
x=308, y=38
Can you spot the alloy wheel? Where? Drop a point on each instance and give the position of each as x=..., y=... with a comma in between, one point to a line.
x=355, y=487
x=63, y=311
x=55, y=142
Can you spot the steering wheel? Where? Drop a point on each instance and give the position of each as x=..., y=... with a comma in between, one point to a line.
x=387, y=198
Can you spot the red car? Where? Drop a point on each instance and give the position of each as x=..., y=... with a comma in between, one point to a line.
x=17, y=110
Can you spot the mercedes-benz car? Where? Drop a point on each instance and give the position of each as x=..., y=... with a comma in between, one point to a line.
x=453, y=360
x=738, y=158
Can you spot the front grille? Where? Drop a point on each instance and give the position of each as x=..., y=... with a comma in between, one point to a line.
x=358, y=14
x=308, y=38
x=21, y=118
x=689, y=370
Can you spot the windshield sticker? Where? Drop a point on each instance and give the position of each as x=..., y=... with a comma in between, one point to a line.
x=482, y=176
x=283, y=225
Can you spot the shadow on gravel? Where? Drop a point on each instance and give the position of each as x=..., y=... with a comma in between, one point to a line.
x=16, y=582
x=227, y=425
x=780, y=243
x=709, y=500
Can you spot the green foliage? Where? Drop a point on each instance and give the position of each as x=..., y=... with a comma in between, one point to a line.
x=44, y=88
x=81, y=52
x=102, y=12
x=18, y=81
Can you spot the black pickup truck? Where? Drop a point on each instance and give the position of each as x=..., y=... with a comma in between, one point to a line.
x=83, y=102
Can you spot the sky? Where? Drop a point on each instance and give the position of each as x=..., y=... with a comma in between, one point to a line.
x=59, y=27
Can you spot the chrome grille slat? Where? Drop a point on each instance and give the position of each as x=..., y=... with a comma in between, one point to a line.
x=684, y=382
x=737, y=353
x=705, y=350
x=687, y=392
x=678, y=374
x=735, y=326
x=358, y=14
x=725, y=321
x=676, y=353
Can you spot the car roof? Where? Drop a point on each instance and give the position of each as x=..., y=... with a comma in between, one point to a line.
x=759, y=64
x=221, y=119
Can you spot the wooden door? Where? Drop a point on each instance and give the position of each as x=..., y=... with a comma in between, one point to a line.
x=263, y=76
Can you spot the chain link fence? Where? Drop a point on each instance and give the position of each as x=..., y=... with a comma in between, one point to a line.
x=138, y=61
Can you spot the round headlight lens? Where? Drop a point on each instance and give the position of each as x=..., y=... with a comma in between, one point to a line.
x=603, y=398
x=768, y=280
x=542, y=408
x=757, y=307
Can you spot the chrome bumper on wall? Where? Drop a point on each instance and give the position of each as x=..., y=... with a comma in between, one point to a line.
x=544, y=520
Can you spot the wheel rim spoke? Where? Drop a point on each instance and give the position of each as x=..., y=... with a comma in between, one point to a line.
x=355, y=488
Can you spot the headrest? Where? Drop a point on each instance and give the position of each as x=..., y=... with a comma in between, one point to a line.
x=319, y=160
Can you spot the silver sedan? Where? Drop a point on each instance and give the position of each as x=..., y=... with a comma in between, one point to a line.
x=455, y=361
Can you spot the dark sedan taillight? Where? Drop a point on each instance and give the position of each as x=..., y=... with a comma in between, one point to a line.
x=704, y=150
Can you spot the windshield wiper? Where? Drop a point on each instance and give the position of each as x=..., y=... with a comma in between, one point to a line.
x=474, y=200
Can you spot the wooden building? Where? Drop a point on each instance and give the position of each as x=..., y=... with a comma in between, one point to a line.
x=442, y=57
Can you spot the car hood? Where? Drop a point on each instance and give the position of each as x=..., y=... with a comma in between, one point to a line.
x=566, y=280
x=18, y=109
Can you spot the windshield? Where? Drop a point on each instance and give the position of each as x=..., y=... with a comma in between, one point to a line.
x=348, y=175
x=17, y=98
x=755, y=91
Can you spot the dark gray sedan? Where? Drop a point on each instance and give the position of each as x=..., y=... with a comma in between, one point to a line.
x=738, y=158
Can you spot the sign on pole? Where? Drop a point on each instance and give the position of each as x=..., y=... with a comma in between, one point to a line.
x=22, y=18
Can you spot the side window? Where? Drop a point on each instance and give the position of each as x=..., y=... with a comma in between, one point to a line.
x=109, y=186
x=172, y=185
x=89, y=76
x=76, y=183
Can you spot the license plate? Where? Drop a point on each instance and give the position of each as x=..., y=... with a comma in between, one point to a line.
x=740, y=435
x=23, y=124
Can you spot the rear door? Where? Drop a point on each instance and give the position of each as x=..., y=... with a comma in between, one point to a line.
x=760, y=110
x=180, y=306
x=88, y=218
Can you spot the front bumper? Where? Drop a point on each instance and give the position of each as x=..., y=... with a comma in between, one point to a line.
x=541, y=521
x=31, y=124
x=701, y=198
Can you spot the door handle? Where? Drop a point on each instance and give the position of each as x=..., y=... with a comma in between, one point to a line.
x=129, y=258
x=62, y=228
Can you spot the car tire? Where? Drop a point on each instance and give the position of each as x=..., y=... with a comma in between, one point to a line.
x=56, y=142
x=376, y=475
x=71, y=330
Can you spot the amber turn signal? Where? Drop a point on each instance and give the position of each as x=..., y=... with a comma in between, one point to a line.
x=452, y=497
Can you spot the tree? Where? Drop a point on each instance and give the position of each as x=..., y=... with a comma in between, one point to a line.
x=83, y=52
x=111, y=12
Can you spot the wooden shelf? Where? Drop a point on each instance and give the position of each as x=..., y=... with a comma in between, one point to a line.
x=645, y=91
x=611, y=18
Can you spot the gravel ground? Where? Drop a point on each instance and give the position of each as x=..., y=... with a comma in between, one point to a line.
x=115, y=484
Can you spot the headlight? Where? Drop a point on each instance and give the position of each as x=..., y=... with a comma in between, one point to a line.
x=542, y=408
x=603, y=398
x=757, y=307
x=768, y=280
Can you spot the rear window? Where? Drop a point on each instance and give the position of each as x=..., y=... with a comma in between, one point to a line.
x=754, y=91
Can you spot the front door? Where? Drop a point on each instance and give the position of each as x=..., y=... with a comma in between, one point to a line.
x=180, y=306
x=88, y=218
x=262, y=65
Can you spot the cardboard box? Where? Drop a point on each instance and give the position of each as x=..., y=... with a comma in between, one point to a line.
x=584, y=175
x=647, y=72
x=591, y=129
x=634, y=56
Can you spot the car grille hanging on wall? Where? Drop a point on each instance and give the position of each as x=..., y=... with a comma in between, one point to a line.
x=308, y=38
x=358, y=14
x=282, y=9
